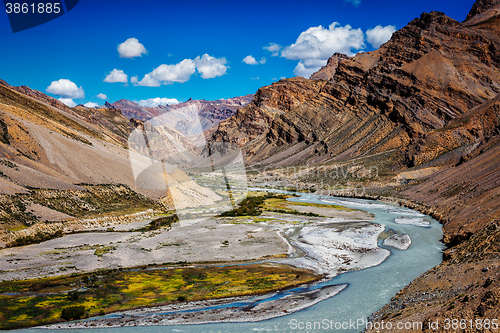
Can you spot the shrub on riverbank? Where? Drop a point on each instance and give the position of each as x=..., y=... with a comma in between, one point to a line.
x=253, y=205
x=164, y=221
x=73, y=312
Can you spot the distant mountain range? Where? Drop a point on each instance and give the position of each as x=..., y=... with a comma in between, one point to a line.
x=211, y=113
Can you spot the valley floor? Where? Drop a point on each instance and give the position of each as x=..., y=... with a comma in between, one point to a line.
x=283, y=229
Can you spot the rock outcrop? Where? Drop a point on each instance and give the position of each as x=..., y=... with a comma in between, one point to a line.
x=328, y=71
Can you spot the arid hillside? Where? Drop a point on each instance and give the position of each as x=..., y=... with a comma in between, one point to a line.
x=59, y=163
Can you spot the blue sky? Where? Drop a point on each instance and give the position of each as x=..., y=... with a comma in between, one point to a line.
x=183, y=49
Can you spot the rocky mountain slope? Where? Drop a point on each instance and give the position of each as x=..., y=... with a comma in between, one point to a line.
x=60, y=150
x=427, y=76
x=423, y=110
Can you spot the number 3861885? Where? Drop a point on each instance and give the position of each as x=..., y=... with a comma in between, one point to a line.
x=40, y=8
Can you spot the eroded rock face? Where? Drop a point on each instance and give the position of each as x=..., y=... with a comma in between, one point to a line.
x=401, y=96
x=480, y=7
x=328, y=71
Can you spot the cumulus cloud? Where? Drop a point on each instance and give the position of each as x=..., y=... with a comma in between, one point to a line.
x=131, y=48
x=154, y=102
x=308, y=66
x=66, y=89
x=134, y=79
x=274, y=49
x=102, y=96
x=167, y=74
x=314, y=46
x=116, y=75
x=91, y=104
x=379, y=35
x=249, y=60
x=68, y=101
x=210, y=67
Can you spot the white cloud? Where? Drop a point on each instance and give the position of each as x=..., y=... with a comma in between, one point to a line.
x=210, y=67
x=255, y=78
x=91, y=105
x=355, y=3
x=274, y=49
x=308, y=66
x=249, y=60
x=167, y=74
x=102, y=96
x=314, y=46
x=134, y=79
x=68, y=101
x=116, y=75
x=66, y=89
x=154, y=102
x=379, y=35
x=131, y=48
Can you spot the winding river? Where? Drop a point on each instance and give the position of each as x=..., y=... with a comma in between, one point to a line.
x=367, y=291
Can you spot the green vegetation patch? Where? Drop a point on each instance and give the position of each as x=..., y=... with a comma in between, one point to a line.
x=256, y=203
x=164, y=221
x=310, y=204
x=109, y=199
x=50, y=300
x=101, y=250
x=253, y=205
x=35, y=239
x=14, y=213
x=279, y=205
x=264, y=219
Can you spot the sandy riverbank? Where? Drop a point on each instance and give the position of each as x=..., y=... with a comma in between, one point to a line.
x=336, y=248
x=196, y=240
